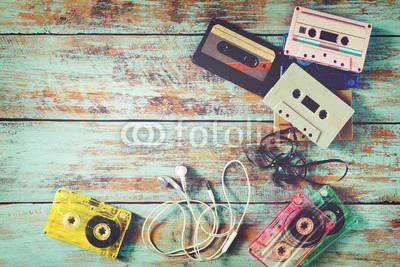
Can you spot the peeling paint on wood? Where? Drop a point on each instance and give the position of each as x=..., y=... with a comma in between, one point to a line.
x=152, y=77
x=372, y=242
x=177, y=17
x=91, y=158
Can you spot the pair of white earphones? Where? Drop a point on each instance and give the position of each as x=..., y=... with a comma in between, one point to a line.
x=181, y=171
x=193, y=251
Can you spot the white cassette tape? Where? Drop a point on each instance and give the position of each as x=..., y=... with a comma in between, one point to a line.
x=308, y=105
x=328, y=39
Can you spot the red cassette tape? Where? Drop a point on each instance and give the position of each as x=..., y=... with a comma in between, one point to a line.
x=295, y=231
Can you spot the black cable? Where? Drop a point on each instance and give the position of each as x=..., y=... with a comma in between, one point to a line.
x=291, y=166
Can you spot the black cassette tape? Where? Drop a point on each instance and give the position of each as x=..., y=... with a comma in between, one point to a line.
x=239, y=57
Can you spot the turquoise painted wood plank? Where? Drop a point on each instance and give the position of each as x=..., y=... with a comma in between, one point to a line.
x=152, y=77
x=91, y=157
x=372, y=242
x=157, y=16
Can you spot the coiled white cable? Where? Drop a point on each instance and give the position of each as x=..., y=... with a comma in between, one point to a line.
x=193, y=251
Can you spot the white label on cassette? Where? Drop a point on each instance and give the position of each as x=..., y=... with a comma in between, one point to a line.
x=328, y=39
x=309, y=106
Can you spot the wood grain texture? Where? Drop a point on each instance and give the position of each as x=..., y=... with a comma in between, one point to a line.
x=178, y=17
x=90, y=157
x=152, y=77
x=372, y=242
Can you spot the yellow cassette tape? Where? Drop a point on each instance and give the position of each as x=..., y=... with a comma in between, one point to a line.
x=87, y=223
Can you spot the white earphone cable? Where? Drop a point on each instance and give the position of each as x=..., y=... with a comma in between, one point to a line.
x=194, y=251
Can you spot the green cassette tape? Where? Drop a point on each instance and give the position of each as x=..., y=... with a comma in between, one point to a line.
x=328, y=202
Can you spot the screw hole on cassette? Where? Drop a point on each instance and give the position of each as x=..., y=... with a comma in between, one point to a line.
x=288, y=166
x=324, y=54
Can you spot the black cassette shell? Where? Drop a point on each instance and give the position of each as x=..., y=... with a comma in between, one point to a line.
x=114, y=232
x=236, y=76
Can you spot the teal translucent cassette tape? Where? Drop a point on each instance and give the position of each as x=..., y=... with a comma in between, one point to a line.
x=328, y=202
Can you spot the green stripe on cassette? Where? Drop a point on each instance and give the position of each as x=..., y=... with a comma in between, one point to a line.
x=328, y=201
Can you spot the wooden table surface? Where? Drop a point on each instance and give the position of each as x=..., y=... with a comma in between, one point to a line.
x=74, y=73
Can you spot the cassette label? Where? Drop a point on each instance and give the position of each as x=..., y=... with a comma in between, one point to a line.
x=329, y=202
x=87, y=223
x=314, y=110
x=328, y=39
x=239, y=57
x=295, y=231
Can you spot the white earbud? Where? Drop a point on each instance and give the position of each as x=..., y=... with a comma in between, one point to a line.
x=166, y=180
x=181, y=172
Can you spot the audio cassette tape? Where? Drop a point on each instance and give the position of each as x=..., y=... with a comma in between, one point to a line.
x=87, y=223
x=295, y=231
x=314, y=110
x=331, y=78
x=328, y=202
x=328, y=39
x=239, y=57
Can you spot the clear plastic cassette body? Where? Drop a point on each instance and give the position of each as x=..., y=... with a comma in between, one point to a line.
x=293, y=234
x=87, y=223
x=328, y=201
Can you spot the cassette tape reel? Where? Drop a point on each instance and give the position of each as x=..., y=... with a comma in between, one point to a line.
x=293, y=234
x=331, y=78
x=328, y=202
x=239, y=57
x=314, y=110
x=87, y=223
x=328, y=39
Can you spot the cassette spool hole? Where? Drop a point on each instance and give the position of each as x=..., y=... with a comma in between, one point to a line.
x=312, y=32
x=71, y=220
x=344, y=40
x=304, y=226
x=296, y=93
x=323, y=114
x=102, y=231
x=282, y=251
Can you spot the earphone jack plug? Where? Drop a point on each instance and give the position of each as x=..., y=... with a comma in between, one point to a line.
x=210, y=192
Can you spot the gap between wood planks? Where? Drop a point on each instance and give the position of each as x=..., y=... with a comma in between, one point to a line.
x=384, y=203
x=218, y=120
x=155, y=34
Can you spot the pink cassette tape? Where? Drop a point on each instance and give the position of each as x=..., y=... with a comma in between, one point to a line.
x=295, y=231
x=328, y=39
